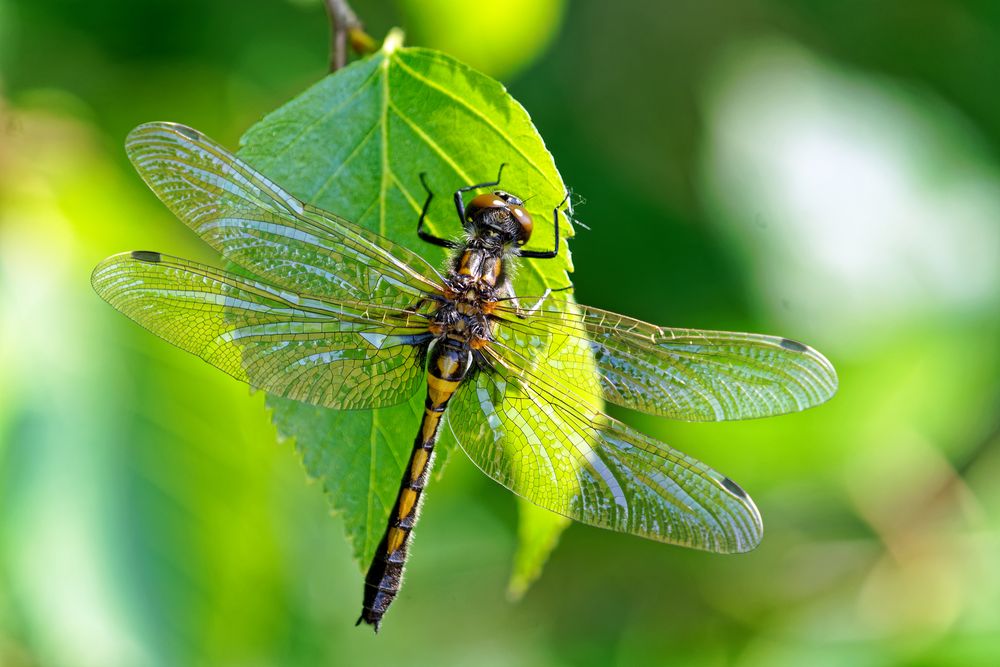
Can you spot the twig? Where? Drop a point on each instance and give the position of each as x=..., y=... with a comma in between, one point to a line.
x=344, y=27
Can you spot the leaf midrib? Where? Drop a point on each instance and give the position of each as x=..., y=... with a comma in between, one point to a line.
x=387, y=172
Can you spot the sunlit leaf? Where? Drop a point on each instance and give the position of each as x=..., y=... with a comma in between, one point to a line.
x=356, y=144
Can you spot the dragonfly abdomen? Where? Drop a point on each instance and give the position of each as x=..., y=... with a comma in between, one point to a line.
x=449, y=362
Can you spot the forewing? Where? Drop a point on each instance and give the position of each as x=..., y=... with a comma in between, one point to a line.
x=547, y=442
x=679, y=373
x=334, y=354
x=265, y=230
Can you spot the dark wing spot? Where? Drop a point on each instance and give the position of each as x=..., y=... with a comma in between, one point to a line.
x=793, y=345
x=191, y=134
x=733, y=488
x=146, y=256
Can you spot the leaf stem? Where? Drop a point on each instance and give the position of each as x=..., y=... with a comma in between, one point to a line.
x=345, y=27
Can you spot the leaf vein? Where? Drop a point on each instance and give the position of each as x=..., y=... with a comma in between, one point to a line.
x=431, y=143
x=357, y=149
x=481, y=116
x=322, y=117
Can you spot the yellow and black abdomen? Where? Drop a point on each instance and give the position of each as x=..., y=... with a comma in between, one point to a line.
x=449, y=362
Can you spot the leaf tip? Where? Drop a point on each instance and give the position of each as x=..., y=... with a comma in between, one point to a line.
x=393, y=41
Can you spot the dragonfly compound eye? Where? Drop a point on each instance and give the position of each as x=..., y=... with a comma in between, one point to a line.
x=525, y=222
x=481, y=203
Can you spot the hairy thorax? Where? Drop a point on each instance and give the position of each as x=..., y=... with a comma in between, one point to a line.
x=474, y=285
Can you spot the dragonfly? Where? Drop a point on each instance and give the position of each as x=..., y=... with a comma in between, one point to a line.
x=322, y=310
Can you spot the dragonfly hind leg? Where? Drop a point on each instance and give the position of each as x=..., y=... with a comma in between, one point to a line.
x=525, y=313
x=533, y=309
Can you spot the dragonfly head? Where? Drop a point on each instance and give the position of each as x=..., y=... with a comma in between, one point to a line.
x=499, y=213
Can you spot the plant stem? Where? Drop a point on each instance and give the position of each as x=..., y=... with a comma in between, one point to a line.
x=344, y=26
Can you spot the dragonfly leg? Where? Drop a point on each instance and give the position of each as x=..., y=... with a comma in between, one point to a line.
x=460, y=205
x=548, y=254
x=419, y=303
x=533, y=310
x=423, y=233
x=525, y=313
x=480, y=361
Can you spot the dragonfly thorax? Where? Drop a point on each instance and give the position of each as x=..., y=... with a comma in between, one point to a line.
x=476, y=272
x=474, y=284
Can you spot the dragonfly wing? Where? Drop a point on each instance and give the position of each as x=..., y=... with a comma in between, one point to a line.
x=334, y=354
x=264, y=229
x=548, y=443
x=680, y=373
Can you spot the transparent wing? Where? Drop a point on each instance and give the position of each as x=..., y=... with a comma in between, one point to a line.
x=267, y=231
x=548, y=443
x=334, y=354
x=680, y=373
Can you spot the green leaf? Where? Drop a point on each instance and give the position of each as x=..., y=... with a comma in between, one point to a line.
x=356, y=144
x=538, y=532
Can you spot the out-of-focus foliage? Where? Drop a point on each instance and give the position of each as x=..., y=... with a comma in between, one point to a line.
x=498, y=37
x=826, y=171
x=538, y=532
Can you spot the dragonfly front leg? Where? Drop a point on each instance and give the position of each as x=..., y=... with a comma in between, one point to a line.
x=423, y=233
x=460, y=204
x=548, y=254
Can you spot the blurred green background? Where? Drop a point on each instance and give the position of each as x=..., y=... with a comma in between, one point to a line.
x=827, y=171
